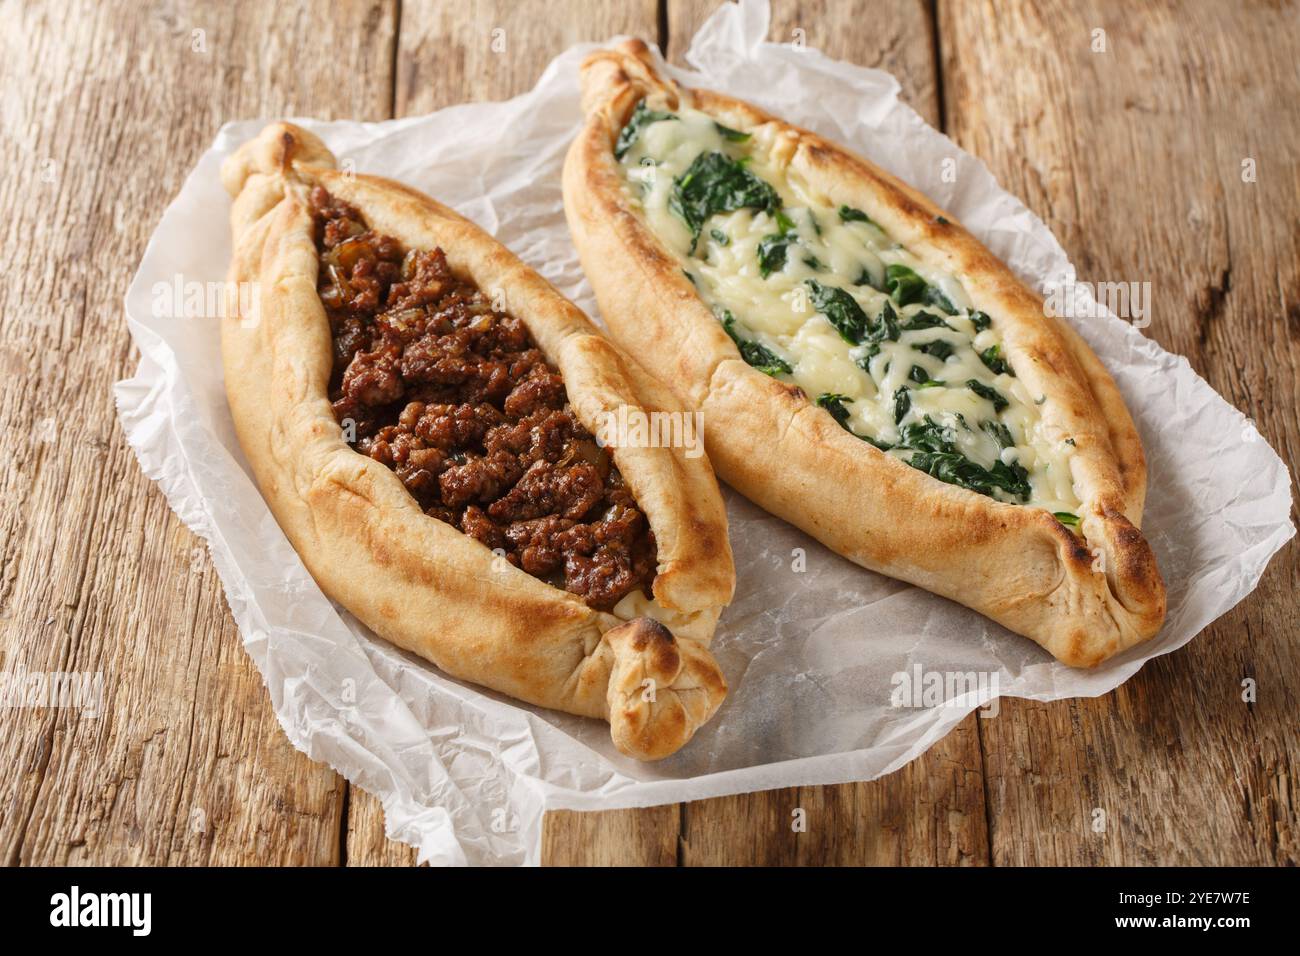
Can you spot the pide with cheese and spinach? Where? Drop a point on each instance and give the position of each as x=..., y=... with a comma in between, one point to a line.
x=865, y=368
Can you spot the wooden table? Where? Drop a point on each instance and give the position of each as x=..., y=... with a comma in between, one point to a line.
x=1133, y=156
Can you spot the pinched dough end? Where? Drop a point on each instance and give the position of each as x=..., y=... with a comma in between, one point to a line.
x=274, y=151
x=661, y=688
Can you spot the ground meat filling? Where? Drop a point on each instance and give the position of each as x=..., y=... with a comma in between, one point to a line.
x=457, y=399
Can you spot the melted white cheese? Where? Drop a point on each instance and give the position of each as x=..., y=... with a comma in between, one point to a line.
x=778, y=313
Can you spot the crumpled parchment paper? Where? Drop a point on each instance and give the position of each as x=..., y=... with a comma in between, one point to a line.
x=811, y=645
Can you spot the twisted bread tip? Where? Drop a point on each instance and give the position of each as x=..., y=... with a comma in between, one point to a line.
x=661, y=689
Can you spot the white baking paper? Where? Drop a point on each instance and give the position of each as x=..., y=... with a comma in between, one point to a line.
x=465, y=775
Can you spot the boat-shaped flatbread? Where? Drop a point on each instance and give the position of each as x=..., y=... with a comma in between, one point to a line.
x=421, y=410
x=866, y=369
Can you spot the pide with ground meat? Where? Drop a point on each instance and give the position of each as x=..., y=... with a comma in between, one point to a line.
x=419, y=409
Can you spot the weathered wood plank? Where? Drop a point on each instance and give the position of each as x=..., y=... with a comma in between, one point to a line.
x=1134, y=156
x=106, y=109
x=496, y=49
x=932, y=811
x=366, y=843
x=646, y=837
x=892, y=35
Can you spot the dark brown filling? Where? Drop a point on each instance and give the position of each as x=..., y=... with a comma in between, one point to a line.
x=457, y=399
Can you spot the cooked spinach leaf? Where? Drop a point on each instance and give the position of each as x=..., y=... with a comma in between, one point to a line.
x=849, y=214
x=980, y=320
x=772, y=252
x=926, y=435
x=863, y=361
x=935, y=453
x=764, y=359
x=923, y=320
x=1012, y=479
x=1066, y=518
x=993, y=360
x=641, y=118
x=902, y=404
x=989, y=392
x=907, y=287
x=921, y=377
x=956, y=469
x=774, y=249
x=731, y=135
x=841, y=311
x=938, y=348
x=935, y=297
x=1000, y=432
x=904, y=285
x=886, y=328
x=755, y=353
x=716, y=183
x=720, y=237
x=834, y=403
x=867, y=278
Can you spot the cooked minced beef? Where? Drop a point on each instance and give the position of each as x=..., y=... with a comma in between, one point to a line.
x=460, y=403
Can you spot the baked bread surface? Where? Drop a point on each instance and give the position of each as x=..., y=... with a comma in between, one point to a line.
x=411, y=578
x=1084, y=597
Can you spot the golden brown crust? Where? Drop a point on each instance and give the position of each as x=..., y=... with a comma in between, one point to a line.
x=1082, y=598
x=411, y=578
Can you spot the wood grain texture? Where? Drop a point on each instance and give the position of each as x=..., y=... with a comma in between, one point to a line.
x=930, y=813
x=1133, y=156
x=465, y=52
x=366, y=844
x=106, y=110
x=892, y=35
x=646, y=837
